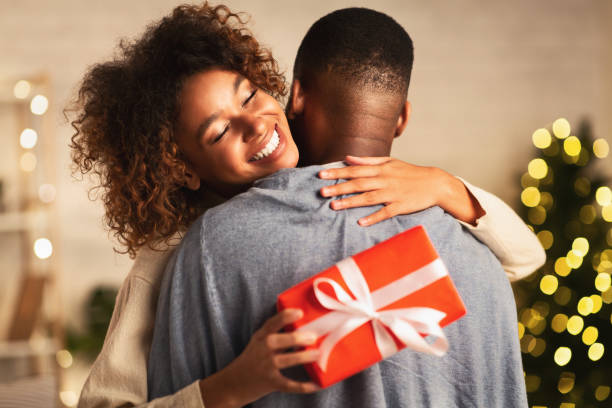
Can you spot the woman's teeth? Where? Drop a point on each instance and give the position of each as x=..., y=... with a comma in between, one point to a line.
x=269, y=148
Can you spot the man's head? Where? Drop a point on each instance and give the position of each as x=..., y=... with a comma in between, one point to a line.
x=350, y=83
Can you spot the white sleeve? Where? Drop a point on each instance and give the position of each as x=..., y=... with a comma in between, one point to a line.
x=504, y=232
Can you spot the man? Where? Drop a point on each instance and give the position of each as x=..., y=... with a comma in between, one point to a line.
x=351, y=79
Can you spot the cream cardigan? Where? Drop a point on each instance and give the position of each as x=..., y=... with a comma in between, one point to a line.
x=118, y=377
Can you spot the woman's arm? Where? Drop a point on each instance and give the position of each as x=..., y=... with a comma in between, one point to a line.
x=405, y=188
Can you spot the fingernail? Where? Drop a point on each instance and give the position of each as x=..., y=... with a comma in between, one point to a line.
x=323, y=174
x=309, y=338
x=297, y=313
x=363, y=222
x=336, y=205
x=324, y=192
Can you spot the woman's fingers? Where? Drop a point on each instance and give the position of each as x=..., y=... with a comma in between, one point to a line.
x=296, y=387
x=284, y=360
x=380, y=215
x=356, y=160
x=362, y=200
x=280, y=320
x=279, y=341
x=349, y=172
x=352, y=186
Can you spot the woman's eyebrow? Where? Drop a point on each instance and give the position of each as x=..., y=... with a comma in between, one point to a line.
x=206, y=123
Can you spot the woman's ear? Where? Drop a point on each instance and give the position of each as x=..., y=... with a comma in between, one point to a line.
x=192, y=180
x=296, y=100
x=402, y=120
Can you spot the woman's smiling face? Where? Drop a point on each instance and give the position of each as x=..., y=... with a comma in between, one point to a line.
x=232, y=132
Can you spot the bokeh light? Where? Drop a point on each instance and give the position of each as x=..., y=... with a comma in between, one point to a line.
x=587, y=214
x=603, y=195
x=563, y=355
x=580, y=246
x=69, y=398
x=573, y=259
x=589, y=335
x=28, y=138
x=537, y=215
x=602, y=393
x=561, y=267
x=64, y=358
x=603, y=281
x=537, y=168
x=46, y=193
x=597, y=303
x=606, y=213
x=601, y=148
x=572, y=146
x=596, y=351
x=43, y=248
x=541, y=138
x=39, y=105
x=530, y=196
x=532, y=383
x=559, y=322
x=575, y=325
x=22, y=89
x=546, y=238
x=548, y=284
x=561, y=128
x=582, y=186
x=563, y=295
x=28, y=162
x=566, y=382
x=585, y=306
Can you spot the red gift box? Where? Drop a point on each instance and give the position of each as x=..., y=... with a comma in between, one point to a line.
x=375, y=303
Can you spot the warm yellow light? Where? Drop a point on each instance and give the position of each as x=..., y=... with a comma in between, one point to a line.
x=603, y=282
x=549, y=284
x=28, y=162
x=546, y=238
x=606, y=213
x=43, y=248
x=581, y=246
x=530, y=196
x=563, y=355
x=573, y=259
x=561, y=267
x=559, y=322
x=597, y=303
x=606, y=297
x=528, y=181
x=609, y=237
x=28, y=138
x=537, y=168
x=541, y=138
x=602, y=392
x=521, y=330
x=561, y=128
x=69, y=398
x=539, y=348
x=596, y=351
x=46, y=193
x=537, y=215
x=563, y=295
x=601, y=148
x=532, y=383
x=575, y=325
x=64, y=358
x=528, y=342
x=566, y=382
x=546, y=200
x=589, y=335
x=582, y=186
x=567, y=405
x=39, y=104
x=585, y=306
x=572, y=146
x=587, y=214
x=22, y=89
x=603, y=195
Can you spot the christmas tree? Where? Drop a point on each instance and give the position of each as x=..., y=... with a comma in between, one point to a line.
x=564, y=309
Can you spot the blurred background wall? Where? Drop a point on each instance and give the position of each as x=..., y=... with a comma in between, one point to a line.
x=486, y=75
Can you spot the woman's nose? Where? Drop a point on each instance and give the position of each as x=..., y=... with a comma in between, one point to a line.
x=254, y=127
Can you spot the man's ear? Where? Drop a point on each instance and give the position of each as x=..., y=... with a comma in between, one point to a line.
x=402, y=120
x=296, y=100
x=192, y=180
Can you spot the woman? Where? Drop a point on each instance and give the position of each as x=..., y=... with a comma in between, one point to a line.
x=151, y=125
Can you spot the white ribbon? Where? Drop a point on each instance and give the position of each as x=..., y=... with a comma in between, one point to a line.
x=347, y=314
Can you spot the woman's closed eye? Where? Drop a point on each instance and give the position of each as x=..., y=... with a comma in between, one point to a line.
x=226, y=128
x=220, y=135
x=251, y=96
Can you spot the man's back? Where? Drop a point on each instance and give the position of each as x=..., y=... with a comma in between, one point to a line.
x=223, y=282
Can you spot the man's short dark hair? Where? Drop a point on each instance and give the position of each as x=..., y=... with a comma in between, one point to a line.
x=360, y=45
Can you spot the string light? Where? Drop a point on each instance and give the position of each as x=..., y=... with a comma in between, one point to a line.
x=537, y=215
x=546, y=200
x=597, y=303
x=603, y=195
x=532, y=383
x=537, y=168
x=541, y=138
x=46, y=193
x=566, y=382
x=43, y=248
x=596, y=351
x=575, y=325
x=585, y=306
x=561, y=267
x=589, y=335
x=69, y=398
x=548, y=284
x=563, y=355
x=572, y=146
x=573, y=259
x=561, y=128
x=22, y=89
x=559, y=322
x=546, y=238
x=580, y=246
x=521, y=330
x=39, y=105
x=64, y=358
x=530, y=196
x=601, y=148
x=606, y=213
x=28, y=138
x=603, y=281
x=563, y=295
x=587, y=214
x=28, y=162
x=582, y=186
x=602, y=392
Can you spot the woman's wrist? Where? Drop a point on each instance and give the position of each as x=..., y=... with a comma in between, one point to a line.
x=219, y=391
x=455, y=198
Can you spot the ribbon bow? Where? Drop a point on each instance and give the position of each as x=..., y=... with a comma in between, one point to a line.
x=406, y=323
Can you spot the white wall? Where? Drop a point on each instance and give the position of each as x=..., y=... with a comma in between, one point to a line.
x=486, y=74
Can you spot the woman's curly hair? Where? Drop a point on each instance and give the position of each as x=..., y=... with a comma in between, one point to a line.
x=126, y=110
